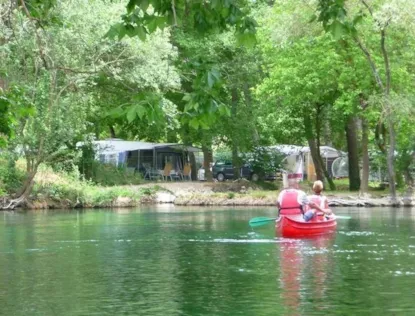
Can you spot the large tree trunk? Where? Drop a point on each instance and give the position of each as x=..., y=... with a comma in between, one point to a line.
x=409, y=180
x=320, y=159
x=325, y=172
x=187, y=140
x=26, y=189
x=112, y=132
x=248, y=102
x=207, y=159
x=315, y=152
x=235, y=158
x=193, y=166
x=364, y=186
x=390, y=161
x=327, y=134
x=353, y=154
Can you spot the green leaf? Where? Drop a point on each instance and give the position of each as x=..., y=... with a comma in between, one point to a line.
x=338, y=29
x=215, y=4
x=215, y=73
x=204, y=124
x=130, y=30
x=152, y=25
x=225, y=12
x=144, y=5
x=210, y=79
x=194, y=123
x=116, y=30
x=224, y=110
x=187, y=97
x=312, y=18
x=131, y=5
x=141, y=32
x=161, y=22
x=140, y=110
x=357, y=19
x=247, y=39
x=131, y=114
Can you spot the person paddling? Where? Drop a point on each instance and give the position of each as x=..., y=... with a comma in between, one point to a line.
x=320, y=202
x=291, y=201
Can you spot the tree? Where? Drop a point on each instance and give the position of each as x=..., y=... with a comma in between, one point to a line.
x=203, y=17
x=61, y=67
x=302, y=84
x=356, y=22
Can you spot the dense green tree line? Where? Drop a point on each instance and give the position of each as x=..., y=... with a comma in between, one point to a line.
x=233, y=73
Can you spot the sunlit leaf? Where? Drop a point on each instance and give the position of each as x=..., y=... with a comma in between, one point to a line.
x=131, y=114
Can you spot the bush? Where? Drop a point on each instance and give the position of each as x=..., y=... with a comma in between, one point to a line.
x=109, y=175
x=103, y=174
x=69, y=189
x=11, y=178
x=264, y=161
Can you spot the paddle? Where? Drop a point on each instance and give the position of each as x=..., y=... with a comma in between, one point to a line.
x=259, y=221
x=342, y=217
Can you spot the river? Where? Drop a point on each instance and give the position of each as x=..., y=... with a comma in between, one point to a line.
x=203, y=261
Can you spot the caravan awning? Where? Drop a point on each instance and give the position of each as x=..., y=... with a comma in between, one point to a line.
x=112, y=146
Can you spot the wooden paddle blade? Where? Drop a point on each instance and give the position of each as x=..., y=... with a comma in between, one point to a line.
x=259, y=221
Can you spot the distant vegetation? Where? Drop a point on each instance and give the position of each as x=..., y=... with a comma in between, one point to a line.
x=230, y=74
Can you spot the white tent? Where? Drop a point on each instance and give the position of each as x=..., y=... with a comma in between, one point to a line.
x=299, y=158
x=325, y=151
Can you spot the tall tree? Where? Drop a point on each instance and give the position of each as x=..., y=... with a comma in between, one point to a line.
x=356, y=21
x=302, y=83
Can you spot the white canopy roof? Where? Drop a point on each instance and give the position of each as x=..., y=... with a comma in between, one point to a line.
x=325, y=151
x=112, y=146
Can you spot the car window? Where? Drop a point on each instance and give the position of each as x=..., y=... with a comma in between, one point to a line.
x=223, y=163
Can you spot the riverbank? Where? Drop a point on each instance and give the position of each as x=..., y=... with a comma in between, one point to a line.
x=53, y=190
x=58, y=195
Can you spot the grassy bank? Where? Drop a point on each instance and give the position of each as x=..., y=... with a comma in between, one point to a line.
x=54, y=189
x=67, y=190
x=63, y=190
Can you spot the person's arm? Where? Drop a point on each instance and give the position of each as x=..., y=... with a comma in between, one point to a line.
x=326, y=202
x=317, y=207
x=279, y=199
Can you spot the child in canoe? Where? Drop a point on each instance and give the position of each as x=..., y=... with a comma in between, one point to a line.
x=319, y=200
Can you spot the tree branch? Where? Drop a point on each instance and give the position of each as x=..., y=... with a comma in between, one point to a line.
x=371, y=62
x=174, y=12
x=76, y=70
x=38, y=39
x=368, y=7
x=385, y=60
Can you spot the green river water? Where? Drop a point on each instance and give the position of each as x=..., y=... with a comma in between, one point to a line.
x=203, y=261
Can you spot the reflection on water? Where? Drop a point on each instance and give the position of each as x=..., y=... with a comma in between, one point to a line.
x=203, y=261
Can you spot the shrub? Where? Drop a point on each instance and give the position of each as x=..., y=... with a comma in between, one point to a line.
x=231, y=195
x=102, y=173
x=109, y=175
x=11, y=177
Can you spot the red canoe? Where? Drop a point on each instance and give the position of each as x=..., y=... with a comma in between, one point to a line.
x=292, y=226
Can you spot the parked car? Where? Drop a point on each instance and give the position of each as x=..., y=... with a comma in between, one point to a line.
x=223, y=170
